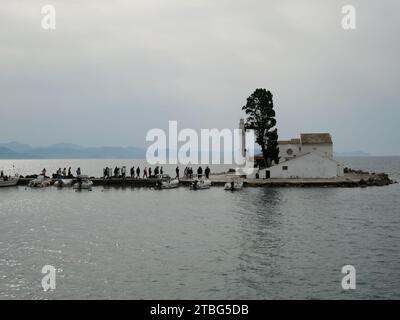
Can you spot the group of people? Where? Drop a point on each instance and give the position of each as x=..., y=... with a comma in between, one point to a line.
x=148, y=172
x=134, y=173
x=63, y=174
x=188, y=173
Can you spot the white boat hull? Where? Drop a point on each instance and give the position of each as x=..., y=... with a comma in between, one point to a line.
x=87, y=185
x=63, y=183
x=200, y=185
x=170, y=184
x=40, y=182
x=235, y=187
x=9, y=183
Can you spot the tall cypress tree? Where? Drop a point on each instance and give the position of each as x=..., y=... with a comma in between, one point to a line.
x=261, y=118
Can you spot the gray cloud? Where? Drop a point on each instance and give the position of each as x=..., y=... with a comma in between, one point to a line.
x=113, y=70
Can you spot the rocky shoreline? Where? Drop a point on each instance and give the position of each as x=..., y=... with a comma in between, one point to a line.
x=351, y=179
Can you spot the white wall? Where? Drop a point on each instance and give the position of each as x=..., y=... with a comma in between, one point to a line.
x=307, y=166
x=324, y=150
x=283, y=148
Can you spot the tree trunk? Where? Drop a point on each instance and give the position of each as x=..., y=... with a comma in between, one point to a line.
x=265, y=156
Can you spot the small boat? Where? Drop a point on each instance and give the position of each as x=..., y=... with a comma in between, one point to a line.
x=60, y=183
x=234, y=185
x=40, y=182
x=83, y=183
x=166, y=182
x=171, y=184
x=7, y=181
x=200, y=184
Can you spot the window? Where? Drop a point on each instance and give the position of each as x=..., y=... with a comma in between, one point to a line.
x=284, y=168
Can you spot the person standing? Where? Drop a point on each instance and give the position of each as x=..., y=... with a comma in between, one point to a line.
x=78, y=171
x=137, y=173
x=149, y=172
x=69, y=173
x=133, y=172
x=123, y=172
x=177, y=172
x=64, y=173
x=199, y=172
x=161, y=170
x=207, y=172
x=105, y=172
x=145, y=172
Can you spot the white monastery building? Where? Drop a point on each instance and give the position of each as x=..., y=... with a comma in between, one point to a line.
x=310, y=156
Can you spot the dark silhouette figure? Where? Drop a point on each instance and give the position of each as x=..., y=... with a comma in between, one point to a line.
x=207, y=172
x=199, y=172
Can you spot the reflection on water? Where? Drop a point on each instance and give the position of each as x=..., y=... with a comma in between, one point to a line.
x=258, y=243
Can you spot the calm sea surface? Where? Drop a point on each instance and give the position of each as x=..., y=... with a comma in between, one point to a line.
x=139, y=243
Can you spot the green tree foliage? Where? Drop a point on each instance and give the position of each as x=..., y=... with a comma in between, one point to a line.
x=261, y=118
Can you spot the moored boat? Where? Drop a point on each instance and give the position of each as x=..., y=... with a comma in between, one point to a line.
x=7, y=181
x=200, y=184
x=234, y=185
x=40, y=182
x=166, y=182
x=63, y=183
x=84, y=183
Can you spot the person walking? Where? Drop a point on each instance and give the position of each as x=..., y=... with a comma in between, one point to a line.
x=145, y=172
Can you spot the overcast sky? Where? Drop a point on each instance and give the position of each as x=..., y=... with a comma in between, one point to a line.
x=112, y=70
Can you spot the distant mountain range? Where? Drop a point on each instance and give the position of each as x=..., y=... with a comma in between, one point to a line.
x=15, y=150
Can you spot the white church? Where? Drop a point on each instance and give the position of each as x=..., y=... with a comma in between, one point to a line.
x=310, y=156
